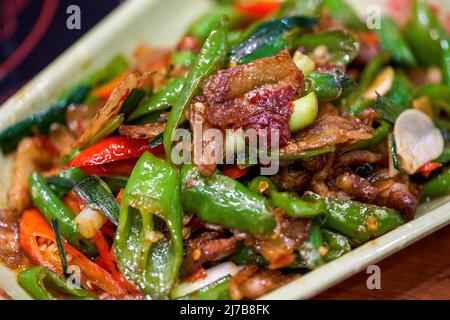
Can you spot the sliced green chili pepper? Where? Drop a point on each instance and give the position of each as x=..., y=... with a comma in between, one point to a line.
x=438, y=186
x=162, y=100
x=373, y=68
x=53, y=208
x=43, y=284
x=304, y=154
x=425, y=35
x=338, y=245
x=378, y=135
x=401, y=92
x=149, y=252
x=111, y=70
x=183, y=58
x=306, y=8
x=218, y=290
x=268, y=38
x=211, y=58
x=392, y=40
x=342, y=12
x=310, y=250
x=96, y=194
x=41, y=121
x=288, y=202
x=206, y=23
x=225, y=201
x=329, y=86
x=342, y=46
x=359, y=221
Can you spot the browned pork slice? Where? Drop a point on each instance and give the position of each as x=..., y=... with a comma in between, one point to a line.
x=328, y=131
x=258, y=95
x=253, y=282
x=208, y=247
x=10, y=253
x=147, y=131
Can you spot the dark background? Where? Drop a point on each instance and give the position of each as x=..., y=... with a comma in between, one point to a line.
x=33, y=33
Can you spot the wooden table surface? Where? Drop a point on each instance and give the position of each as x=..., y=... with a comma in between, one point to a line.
x=420, y=271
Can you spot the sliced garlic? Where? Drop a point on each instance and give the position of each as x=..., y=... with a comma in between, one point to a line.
x=418, y=140
x=89, y=221
x=381, y=84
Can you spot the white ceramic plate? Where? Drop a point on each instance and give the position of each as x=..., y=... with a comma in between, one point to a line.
x=162, y=23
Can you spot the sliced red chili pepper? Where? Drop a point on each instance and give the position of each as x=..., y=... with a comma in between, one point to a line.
x=258, y=9
x=106, y=90
x=103, y=250
x=197, y=275
x=429, y=167
x=118, y=168
x=110, y=149
x=33, y=225
x=234, y=171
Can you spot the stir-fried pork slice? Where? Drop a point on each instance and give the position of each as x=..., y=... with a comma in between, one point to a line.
x=256, y=95
x=208, y=247
x=10, y=252
x=30, y=156
x=252, y=282
x=205, y=146
x=61, y=138
x=289, y=178
x=147, y=131
x=111, y=108
x=357, y=187
x=279, y=251
x=328, y=131
x=394, y=193
x=357, y=157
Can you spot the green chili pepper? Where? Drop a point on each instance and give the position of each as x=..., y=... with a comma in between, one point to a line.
x=288, y=202
x=202, y=27
x=306, y=8
x=445, y=64
x=304, y=154
x=53, y=208
x=183, y=58
x=225, y=201
x=218, y=290
x=392, y=40
x=41, y=283
x=115, y=183
x=378, y=135
x=211, y=58
x=438, y=186
x=265, y=39
x=426, y=35
x=309, y=250
x=162, y=100
x=338, y=245
x=342, y=46
x=342, y=12
x=111, y=70
x=438, y=95
x=148, y=244
x=359, y=221
x=329, y=86
x=401, y=92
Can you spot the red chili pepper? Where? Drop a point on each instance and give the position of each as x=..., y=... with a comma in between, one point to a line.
x=197, y=275
x=110, y=149
x=427, y=168
x=369, y=38
x=118, y=168
x=258, y=9
x=234, y=171
x=106, y=90
x=33, y=226
x=103, y=250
